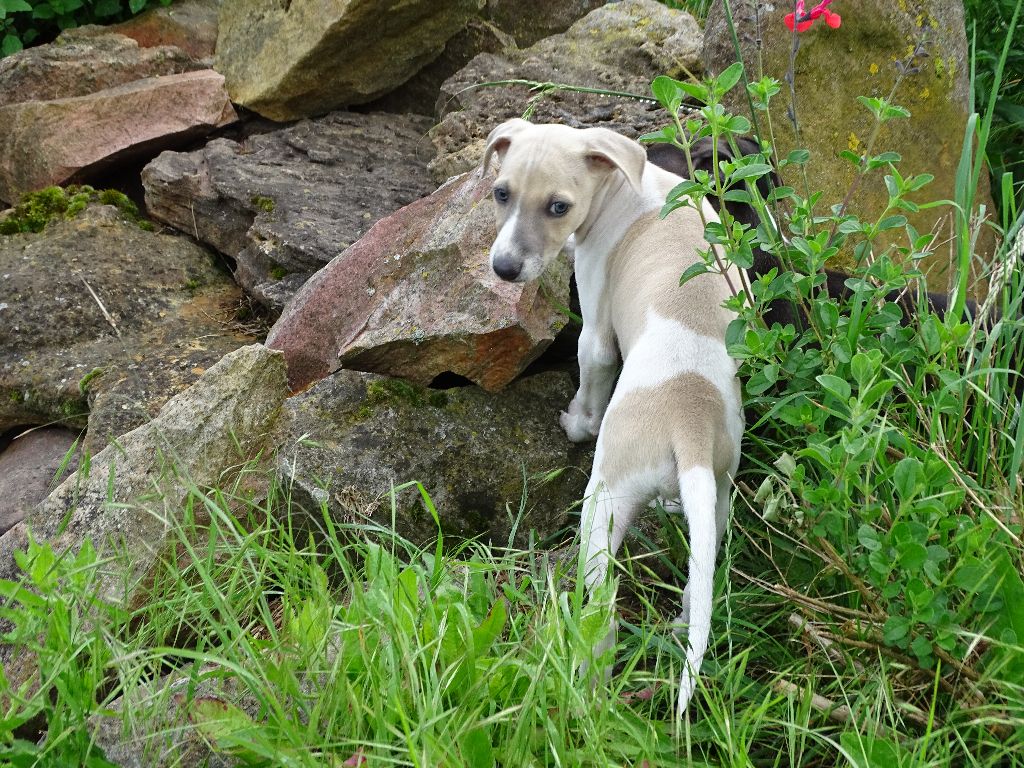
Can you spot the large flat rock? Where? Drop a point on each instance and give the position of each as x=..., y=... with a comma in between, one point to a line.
x=56, y=141
x=307, y=57
x=416, y=298
x=101, y=322
x=284, y=203
x=352, y=437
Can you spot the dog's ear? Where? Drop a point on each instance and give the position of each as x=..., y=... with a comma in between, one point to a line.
x=500, y=138
x=608, y=149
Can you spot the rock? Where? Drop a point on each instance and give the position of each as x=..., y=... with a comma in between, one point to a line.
x=283, y=204
x=190, y=25
x=161, y=730
x=83, y=61
x=620, y=46
x=416, y=298
x=134, y=494
x=833, y=68
x=52, y=142
x=531, y=20
x=419, y=94
x=502, y=25
x=60, y=356
x=352, y=437
x=34, y=462
x=307, y=57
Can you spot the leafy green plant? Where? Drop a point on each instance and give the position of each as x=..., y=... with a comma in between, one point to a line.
x=30, y=22
x=61, y=621
x=889, y=445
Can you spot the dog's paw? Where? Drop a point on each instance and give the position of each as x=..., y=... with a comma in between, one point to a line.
x=579, y=427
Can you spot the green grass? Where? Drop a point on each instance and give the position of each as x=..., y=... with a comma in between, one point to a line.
x=306, y=648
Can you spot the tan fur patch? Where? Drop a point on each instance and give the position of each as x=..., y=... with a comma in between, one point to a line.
x=644, y=271
x=683, y=417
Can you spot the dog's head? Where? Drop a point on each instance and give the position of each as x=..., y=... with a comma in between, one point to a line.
x=548, y=177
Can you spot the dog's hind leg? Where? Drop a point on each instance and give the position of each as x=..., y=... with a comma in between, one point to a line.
x=607, y=514
x=699, y=494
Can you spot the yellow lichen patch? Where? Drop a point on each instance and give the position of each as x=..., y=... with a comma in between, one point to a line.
x=853, y=142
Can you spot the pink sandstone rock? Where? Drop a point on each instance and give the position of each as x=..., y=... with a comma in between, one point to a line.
x=52, y=142
x=82, y=61
x=190, y=25
x=415, y=297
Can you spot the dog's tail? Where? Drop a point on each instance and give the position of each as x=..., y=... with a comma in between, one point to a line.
x=698, y=493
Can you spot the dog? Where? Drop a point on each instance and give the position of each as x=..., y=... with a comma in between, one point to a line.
x=670, y=426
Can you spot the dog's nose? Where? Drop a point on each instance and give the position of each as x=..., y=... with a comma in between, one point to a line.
x=506, y=268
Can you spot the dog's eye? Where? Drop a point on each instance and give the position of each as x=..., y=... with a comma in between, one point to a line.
x=558, y=208
x=500, y=195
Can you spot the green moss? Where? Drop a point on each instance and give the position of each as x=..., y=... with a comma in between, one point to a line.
x=386, y=391
x=263, y=203
x=83, y=383
x=399, y=392
x=278, y=272
x=121, y=201
x=37, y=209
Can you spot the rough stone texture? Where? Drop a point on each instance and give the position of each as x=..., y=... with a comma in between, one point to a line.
x=199, y=435
x=153, y=726
x=416, y=297
x=502, y=25
x=30, y=466
x=834, y=67
x=307, y=57
x=84, y=61
x=531, y=20
x=362, y=434
x=52, y=142
x=283, y=204
x=419, y=94
x=172, y=307
x=621, y=47
x=190, y=25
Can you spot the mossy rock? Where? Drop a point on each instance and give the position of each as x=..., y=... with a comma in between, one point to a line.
x=100, y=321
x=37, y=209
x=352, y=437
x=834, y=67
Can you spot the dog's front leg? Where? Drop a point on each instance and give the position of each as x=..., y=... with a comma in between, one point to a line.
x=599, y=362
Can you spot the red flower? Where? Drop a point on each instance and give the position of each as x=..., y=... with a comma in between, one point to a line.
x=803, y=20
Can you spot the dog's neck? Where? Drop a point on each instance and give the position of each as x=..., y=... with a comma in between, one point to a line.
x=600, y=232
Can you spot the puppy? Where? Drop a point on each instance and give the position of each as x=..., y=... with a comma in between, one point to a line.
x=672, y=427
